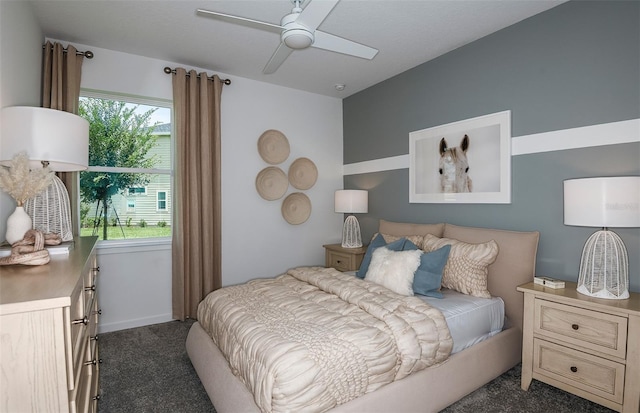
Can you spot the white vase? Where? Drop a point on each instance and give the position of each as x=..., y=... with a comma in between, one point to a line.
x=17, y=225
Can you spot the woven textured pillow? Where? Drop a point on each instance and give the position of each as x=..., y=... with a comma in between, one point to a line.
x=394, y=269
x=416, y=239
x=467, y=267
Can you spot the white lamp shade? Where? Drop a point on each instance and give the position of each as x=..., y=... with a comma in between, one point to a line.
x=58, y=137
x=352, y=201
x=602, y=202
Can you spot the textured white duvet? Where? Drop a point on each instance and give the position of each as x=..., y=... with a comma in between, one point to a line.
x=315, y=338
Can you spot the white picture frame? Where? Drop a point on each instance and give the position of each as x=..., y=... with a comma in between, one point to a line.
x=488, y=154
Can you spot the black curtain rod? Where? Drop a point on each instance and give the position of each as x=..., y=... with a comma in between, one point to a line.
x=168, y=70
x=88, y=54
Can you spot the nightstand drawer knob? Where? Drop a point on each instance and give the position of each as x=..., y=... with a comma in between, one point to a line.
x=575, y=326
x=574, y=369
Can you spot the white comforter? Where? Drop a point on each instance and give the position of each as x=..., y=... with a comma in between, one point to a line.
x=315, y=338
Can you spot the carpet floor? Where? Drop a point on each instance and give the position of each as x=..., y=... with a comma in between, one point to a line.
x=147, y=369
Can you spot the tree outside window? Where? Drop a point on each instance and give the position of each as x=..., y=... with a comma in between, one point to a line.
x=129, y=167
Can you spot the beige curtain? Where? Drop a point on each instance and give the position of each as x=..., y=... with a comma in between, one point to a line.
x=61, y=73
x=197, y=214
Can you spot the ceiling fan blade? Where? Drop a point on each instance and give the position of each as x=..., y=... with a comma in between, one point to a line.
x=279, y=56
x=257, y=24
x=315, y=13
x=337, y=44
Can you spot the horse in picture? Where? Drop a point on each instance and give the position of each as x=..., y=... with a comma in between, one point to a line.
x=454, y=167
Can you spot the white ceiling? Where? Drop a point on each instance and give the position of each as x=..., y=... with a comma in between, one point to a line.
x=407, y=33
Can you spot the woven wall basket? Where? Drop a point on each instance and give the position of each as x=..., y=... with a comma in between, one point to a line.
x=50, y=210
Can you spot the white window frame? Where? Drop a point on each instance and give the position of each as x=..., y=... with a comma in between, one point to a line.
x=153, y=243
x=133, y=208
x=165, y=200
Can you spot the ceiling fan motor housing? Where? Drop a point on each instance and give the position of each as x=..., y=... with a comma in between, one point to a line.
x=295, y=35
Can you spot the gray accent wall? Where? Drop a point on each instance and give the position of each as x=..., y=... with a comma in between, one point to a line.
x=575, y=65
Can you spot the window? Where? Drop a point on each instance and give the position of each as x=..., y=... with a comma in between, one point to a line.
x=162, y=201
x=140, y=190
x=126, y=191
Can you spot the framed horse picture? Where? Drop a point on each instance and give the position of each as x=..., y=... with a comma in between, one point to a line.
x=462, y=162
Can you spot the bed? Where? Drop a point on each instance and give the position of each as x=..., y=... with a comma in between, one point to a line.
x=427, y=390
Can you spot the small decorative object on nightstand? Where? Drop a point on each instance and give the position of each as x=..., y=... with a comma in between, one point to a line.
x=587, y=346
x=343, y=259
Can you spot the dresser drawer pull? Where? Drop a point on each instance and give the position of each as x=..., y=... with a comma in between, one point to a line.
x=94, y=338
x=84, y=320
x=92, y=288
x=94, y=362
x=96, y=397
x=575, y=326
x=574, y=369
x=96, y=269
x=99, y=312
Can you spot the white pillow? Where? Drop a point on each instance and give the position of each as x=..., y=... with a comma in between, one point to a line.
x=394, y=269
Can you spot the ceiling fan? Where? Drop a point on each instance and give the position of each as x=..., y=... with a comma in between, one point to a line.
x=298, y=31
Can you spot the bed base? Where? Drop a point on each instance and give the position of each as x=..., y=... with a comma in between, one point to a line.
x=429, y=390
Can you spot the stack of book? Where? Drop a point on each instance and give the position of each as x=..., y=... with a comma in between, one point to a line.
x=63, y=248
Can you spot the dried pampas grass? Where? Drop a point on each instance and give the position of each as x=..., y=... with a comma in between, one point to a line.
x=22, y=183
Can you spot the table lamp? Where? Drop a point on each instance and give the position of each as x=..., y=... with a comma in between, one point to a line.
x=603, y=202
x=51, y=138
x=351, y=201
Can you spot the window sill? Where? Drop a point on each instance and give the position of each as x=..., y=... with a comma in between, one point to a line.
x=128, y=246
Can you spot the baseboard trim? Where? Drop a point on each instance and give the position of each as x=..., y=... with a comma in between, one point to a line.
x=139, y=322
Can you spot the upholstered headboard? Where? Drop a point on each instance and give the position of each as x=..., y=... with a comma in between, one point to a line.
x=515, y=264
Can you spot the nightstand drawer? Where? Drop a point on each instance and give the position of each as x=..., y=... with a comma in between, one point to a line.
x=604, y=333
x=341, y=262
x=343, y=259
x=594, y=375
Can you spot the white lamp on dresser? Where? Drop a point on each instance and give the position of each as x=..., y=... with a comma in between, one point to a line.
x=603, y=202
x=53, y=138
x=351, y=201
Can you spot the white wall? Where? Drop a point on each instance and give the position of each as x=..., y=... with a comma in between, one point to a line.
x=135, y=283
x=20, y=67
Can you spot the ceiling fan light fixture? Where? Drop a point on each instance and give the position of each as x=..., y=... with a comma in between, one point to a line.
x=297, y=38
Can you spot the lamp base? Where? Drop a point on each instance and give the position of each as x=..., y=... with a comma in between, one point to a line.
x=351, y=237
x=604, y=267
x=51, y=210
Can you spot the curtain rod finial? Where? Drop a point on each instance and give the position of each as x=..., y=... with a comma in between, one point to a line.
x=167, y=70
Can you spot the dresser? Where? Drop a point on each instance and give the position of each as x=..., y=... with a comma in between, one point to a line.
x=49, y=359
x=343, y=259
x=584, y=345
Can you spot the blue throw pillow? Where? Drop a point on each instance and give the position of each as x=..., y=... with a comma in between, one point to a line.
x=428, y=276
x=409, y=246
x=377, y=242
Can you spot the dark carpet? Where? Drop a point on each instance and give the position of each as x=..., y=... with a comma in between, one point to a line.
x=147, y=369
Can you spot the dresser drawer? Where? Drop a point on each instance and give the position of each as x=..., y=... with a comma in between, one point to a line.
x=594, y=375
x=604, y=333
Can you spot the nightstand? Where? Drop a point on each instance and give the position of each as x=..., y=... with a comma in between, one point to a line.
x=584, y=345
x=343, y=259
